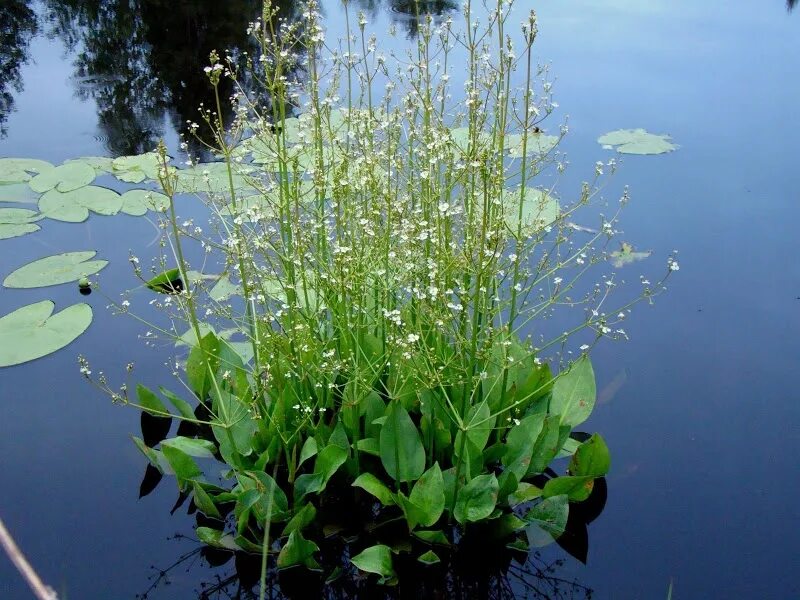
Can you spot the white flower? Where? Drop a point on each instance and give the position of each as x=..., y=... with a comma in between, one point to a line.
x=673, y=265
x=585, y=347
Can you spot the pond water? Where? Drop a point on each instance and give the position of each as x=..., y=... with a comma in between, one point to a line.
x=700, y=408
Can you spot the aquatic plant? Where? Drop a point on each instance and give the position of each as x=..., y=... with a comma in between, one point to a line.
x=387, y=261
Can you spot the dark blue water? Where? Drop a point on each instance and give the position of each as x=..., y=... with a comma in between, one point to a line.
x=700, y=408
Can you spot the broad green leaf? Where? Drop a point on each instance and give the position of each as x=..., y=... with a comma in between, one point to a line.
x=328, y=462
x=574, y=393
x=479, y=424
x=10, y=231
x=98, y=163
x=477, y=499
x=168, y=282
x=375, y=559
x=34, y=331
x=217, y=538
x=236, y=425
x=524, y=493
x=137, y=202
x=302, y=519
x=18, y=216
x=369, y=446
x=546, y=446
x=74, y=206
x=432, y=537
x=18, y=193
x=183, y=465
x=626, y=255
x=64, y=178
x=204, y=502
x=184, y=408
x=577, y=488
x=539, y=210
x=402, y=452
x=196, y=447
x=135, y=169
x=637, y=141
x=429, y=558
x=18, y=170
x=592, y=458
x=547, y=519
x=520, y=441
x=308, y=450
x=54, y=270
x=537, y=144
x=368, y=482
x=569, y=447
x=149, y=402
x=224, y=289
x=427, y=496
x=297, y=551
x=266, y=497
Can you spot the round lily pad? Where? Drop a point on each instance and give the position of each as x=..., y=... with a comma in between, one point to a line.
x=34, y=331
x=64, y=178
x=74, y=206
x=54, y=270
x=15, y=216
x=137, y=202
x=135, y=169
x=537, y=144
x=18, y=170
x=10, y=230
x=637, y=141
x=539, y=209
x=18, y=193
x=98, y=163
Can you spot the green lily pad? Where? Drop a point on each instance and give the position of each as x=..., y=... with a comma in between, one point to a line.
x=213, y=177
x=16, y=216
x=137, y=168
x=539, y=210
x=637, y=141
x=18, y=170
x=137, y=202
x=34, y=331
x=54, y=270
x=18, y=192
x=74, y=206
x=10, y=230
x=64, y=178
x=460, y=138
x=626, y=255
x=98, y=163
x=538, y=144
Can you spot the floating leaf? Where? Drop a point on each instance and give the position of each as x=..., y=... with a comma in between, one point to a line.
x=460, y=138
x=74, y=206
x=539, y=209
x=98, y=163
x=10, y=230
x=17, y=216
x=626, y=255
x=137, y=202
x=18, y=192
x=64, y=178
x=537, y=144
x=637, y=141
x=18, y=170
x=34, y=331
x=137, y=168
x=224, y=289
x=54, y=270
x=213, y=177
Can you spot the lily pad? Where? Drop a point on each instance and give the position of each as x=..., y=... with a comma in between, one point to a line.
x=34, y=331
x=213, y=177
x=137, y=168
x=10, y=230
x=539, y=210
x=64, y=178
x=54, y=270
x=137, y=202
x=16, y=216
x=18, y=170
x=460, y=138
x=98, y=163
x=538, y=144
x=626, y=255
x=637, y=141
x=74, y=206
x=18, y=192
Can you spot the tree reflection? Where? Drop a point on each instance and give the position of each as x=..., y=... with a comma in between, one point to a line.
x=790, y=4
x=409, y=12
x=17, y=27
x=142, y=61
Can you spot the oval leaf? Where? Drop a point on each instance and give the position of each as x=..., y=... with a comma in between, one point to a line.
x=34, y=331
x=574, y=393
x=54, y=270
x=64, y=178
x=402, y=452
x=375, y=559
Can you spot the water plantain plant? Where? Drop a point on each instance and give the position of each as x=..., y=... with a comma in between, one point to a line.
x=378, y=337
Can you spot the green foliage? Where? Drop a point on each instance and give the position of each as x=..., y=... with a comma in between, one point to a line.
x=54, y=270
x=637, y=141
x=376, y=559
